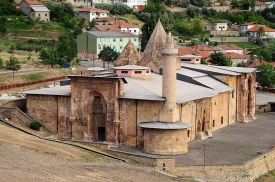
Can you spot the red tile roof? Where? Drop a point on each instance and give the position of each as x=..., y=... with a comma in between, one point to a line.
x=256, y=28
x=93, y=10
x=125, y=25
x=234, y=55
x=230, y=47
x=259, y=3
x=187, y=50
x=31, y=2
x=204, y=47
x=254, y=63
x=107, y=19
x=106, y=27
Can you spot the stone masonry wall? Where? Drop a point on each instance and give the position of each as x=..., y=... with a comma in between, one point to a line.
x=228, y=173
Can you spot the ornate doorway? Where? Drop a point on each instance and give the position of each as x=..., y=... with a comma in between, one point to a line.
x=99, y=118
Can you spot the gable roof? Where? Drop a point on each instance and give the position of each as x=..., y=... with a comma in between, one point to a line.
x=107, y=28
x=229, y=47
x=187, y=50
x=259, y=3
x=256, y=28
x=204, y=47
x=125, y=25
x=234, y=55
x=254, y=63
x=93, y=10
x=111, y=34
x=32, y=2
x=40, y=8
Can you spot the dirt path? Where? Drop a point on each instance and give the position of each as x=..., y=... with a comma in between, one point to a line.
x=26, y=158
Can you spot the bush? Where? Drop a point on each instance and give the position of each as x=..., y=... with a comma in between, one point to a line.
x=35, y=125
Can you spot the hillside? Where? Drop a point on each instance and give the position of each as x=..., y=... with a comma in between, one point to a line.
x=26, y=158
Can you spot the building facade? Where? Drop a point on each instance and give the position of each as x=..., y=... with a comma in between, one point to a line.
x=34, y=10
x=94, y=41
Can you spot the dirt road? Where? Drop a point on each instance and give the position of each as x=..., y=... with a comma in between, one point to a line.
x=26, y=158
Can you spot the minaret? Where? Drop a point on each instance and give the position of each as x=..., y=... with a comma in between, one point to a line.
x=169, y=111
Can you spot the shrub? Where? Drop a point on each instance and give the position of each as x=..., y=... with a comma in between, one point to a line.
x=35, y=125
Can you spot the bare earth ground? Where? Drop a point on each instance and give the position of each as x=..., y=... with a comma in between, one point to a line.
x=27, y=158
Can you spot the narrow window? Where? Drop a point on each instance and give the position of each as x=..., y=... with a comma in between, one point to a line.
x=188, y=133
x=222, y=120
x=124, y=72
x=232, y=94
x=137, y=72
x=213, y=123
x=45, y=14
x=120, y=39
x=147, y=71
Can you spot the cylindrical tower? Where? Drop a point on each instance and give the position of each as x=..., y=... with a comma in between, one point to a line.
x=169, y=86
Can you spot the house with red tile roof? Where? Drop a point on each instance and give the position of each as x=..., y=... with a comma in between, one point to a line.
x=269, y=32
x=128, y=27
x=205, y=48
x=34, y=10
x=91, y=13
x=105, y=28
x=182, y=51
x=224, y=48
x=248, y=25
x=260, y=6
x=236, y=58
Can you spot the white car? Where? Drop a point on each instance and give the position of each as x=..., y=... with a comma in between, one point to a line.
x=82, y=58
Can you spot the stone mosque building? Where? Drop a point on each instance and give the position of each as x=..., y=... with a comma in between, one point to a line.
x=155, y=103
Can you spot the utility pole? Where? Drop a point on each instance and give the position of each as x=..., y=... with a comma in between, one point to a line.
x=87, y=44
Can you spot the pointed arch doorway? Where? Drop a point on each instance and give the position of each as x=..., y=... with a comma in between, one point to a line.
x=99, y=118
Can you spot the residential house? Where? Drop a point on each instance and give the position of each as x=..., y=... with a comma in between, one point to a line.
x=236, y=58
x=34, y=10
x=260, y=6
x=269, y=32
x=88, y=3
x=137, y=4
x=105, y=28
x=220, y=26
x=183, y=51
x=246, y=26
x=205, y=48
x=94, y=41
x=128, y=27
x=224, y=48
x=92, y=13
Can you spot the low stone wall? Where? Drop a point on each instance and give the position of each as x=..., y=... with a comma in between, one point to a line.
x=248, y=171
x=263, y=108
x=224, y=33
x=159, y=163
x=16, y=115
x=229, y=39
x=102, y=146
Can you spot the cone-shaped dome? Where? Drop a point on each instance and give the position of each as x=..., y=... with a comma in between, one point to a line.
x=129, y=56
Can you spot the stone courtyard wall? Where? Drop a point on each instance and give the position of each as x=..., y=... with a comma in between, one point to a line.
x=248, y=171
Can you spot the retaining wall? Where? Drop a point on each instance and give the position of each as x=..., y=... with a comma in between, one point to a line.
x=3, y=87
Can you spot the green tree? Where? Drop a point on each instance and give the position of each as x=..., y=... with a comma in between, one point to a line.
x=219, y=59
x=92, y=23
x=1, y=63
x=266, y=75
x=108, y=54
x=147, y=30
x=13, y=64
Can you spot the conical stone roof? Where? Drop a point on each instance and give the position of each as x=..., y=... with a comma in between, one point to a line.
x=151, y=55
x=129, y=56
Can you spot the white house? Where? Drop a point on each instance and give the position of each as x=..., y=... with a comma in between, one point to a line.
x=92, y=13
x=34, y=10
x=260, y=6
x=128, y=27
x=225, y=48
x=135, y=3
x=246, y=26
x=220, y=26
x=269, y=32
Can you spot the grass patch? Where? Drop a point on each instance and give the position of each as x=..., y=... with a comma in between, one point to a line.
x=247, y=45
x=33, y=77
x=131, y=19
x=272, y=173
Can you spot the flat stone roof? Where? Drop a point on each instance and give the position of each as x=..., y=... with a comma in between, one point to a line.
x=58, y=90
